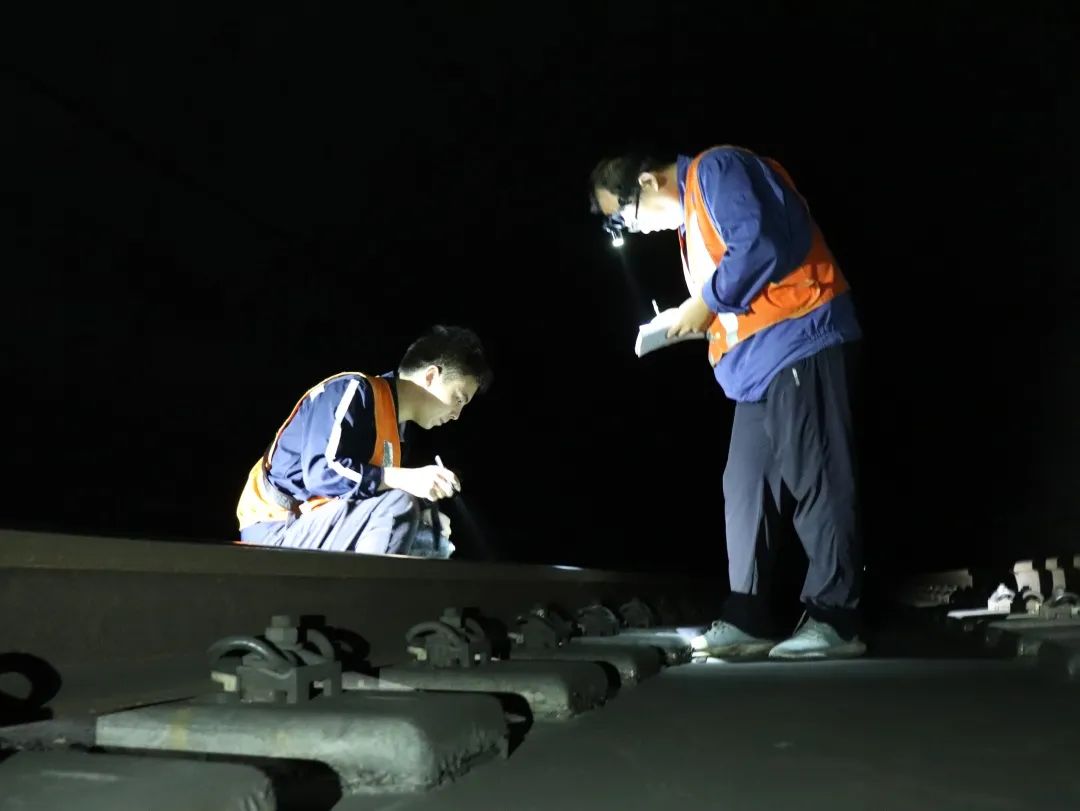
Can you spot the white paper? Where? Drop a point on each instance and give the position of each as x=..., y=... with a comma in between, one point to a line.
x=653, y=335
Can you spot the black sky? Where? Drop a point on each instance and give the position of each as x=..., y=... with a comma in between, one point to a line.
x=214, y=210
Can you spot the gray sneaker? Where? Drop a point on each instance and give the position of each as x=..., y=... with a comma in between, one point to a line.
x=724, y=641
x=818, y=640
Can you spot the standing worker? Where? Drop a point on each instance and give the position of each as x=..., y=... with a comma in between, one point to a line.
x=332, y=477
x=780, y=323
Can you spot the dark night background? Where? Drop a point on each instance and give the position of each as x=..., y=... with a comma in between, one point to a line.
x=215, y=209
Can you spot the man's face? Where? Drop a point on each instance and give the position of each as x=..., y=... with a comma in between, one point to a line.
x=449, y=394
x=648, y=210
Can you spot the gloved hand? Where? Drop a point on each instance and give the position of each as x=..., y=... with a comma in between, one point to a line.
x=693, y=316
x=427, y=516
x=431, y=482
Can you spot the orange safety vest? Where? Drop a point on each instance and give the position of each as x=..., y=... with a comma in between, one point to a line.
x=262, y=501
x=813, y=283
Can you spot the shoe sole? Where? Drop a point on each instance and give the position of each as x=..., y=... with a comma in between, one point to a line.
x=744, y=651
x=840, y=652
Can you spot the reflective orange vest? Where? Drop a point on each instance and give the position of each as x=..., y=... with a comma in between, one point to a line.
x=262, y=501
x=814, y=282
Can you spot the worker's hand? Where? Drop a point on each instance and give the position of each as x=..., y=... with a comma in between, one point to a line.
x=431, y=482
x=693, y=316
x=428, y=517
x=444, y=524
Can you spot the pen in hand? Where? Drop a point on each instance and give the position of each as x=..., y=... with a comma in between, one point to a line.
x=439, y=462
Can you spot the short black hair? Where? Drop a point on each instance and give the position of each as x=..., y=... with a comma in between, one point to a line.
x=455, y=350
x=619, y=175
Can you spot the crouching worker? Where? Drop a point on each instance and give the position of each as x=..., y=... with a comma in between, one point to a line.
x=332, y=478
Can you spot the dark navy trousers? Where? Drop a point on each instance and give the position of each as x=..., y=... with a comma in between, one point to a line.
x=792, y=457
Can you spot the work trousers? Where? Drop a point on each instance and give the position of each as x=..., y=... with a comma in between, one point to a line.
x=796, y=447
x=383, y=525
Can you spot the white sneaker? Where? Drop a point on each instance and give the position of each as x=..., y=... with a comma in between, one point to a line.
x=818, y=640
x=724, y=641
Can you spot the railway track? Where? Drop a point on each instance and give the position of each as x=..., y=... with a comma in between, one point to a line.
x=138, y=674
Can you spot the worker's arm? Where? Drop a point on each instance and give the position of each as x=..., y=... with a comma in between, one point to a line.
x=340, y=434
x=753, y=210
x=431, y=482
x=338, y=440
